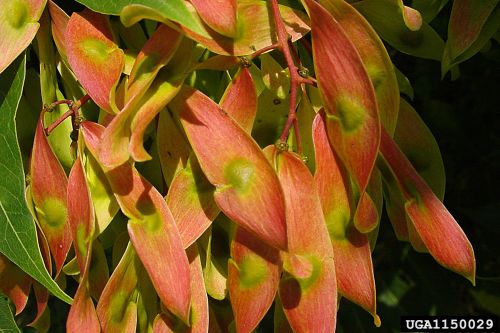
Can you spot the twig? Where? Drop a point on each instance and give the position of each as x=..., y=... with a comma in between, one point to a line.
x=264, y=50
x=295, y=79
x=74, y=107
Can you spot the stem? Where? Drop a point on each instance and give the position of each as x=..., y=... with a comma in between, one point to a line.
x=298, y=142
x=264, y=50
x=294, y=53
x=46, y=57
x=295, y=79
x=74, y=107
x=310, y=80
x=58, y=121
x=52, y=105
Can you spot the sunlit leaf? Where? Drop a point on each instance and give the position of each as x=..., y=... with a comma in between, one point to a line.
x=41, y=294
x=255, y=26
x=367, y=216
x=351, y=248
x=417, y=143
x=103, y=199
x=154, y=55
x=117, y=307
x=124, y=135
x=191, y=196
x=253, y=278
x=438, y=230
x=164, y=323
x=191, y=201
x=59, y=21
x=132, y=11
x=17, y=227
x=215, y=267
x=274, y=76
x=199, y=316
x=247, y=189
x=49, y=192
x=123, y=138
x=309, y=290
x=374, y=57
x=220, y=15
x=95, y=58
x=151, y=228
x=80, y=213
x=146, y=114
x=18, y=24
x=240, y=99
x=173, y=147
x=82, y=314
x=351, y=108
x=59, y=139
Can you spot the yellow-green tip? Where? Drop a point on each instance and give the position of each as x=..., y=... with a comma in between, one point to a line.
x=376, y=320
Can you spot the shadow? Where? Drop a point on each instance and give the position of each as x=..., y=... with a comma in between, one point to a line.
x=7, y=78
x=255, y=244
x=356, y=238
x=290, y=292
x=122, y=180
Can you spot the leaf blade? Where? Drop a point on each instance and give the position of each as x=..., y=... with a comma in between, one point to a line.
x=352, y=114
x=18, y=23
x=429, y=216
x=174, y=10
x=253, y=278
x=95, y=58
x=7, y=323
x=18, y=229
x=351, y=248
x=309, y=289
x=374, y=56
x=238, y=183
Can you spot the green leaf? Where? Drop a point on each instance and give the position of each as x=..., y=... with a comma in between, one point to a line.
x=404, y=83
x=429, y=9
x=402, y=28
x=487, y=301
x=471, y=25
x=17, y=230
x=7, y=323
x=174, y=10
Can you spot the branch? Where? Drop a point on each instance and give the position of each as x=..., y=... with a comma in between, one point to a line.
x=74, y=107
